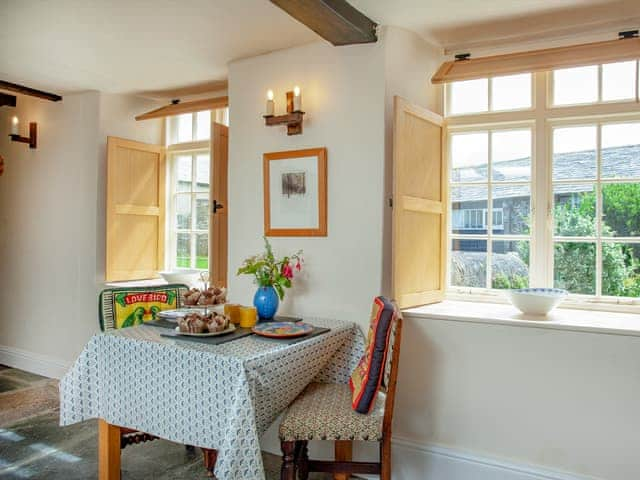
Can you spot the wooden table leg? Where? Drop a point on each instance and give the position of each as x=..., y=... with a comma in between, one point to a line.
x=210, y=458
x=108, y=451
x=343, y=453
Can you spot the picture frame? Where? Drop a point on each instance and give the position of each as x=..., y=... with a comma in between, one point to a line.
x=295, y=193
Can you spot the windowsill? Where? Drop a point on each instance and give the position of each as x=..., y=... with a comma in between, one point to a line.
x=611, y=323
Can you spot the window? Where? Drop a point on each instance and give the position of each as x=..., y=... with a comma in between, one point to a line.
x=611, y=82
x=188, y=199
x=596, y=209
x=512, y=92
x=476, y=219
x=564, y=193
x=189, y=127
x=490, y=172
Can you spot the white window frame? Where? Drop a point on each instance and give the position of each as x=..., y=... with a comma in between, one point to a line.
x=173, y=151
x=489, y=237
x=542, y=118
x=599, y=101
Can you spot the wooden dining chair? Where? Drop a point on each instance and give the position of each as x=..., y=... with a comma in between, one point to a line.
x=122, y=307
x=324, y=412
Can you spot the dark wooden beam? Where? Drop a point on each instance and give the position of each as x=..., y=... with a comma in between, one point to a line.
x=334, y=20
x=14, y=87
x=7, y=100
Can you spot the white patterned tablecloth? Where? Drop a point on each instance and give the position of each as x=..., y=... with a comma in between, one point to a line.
x=214, y=396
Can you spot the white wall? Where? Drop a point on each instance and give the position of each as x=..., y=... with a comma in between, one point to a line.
x=563, y=400
x=52, y=224
x=343, y=95
x=47, y=239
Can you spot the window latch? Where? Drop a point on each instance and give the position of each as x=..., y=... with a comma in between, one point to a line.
x=216, y=206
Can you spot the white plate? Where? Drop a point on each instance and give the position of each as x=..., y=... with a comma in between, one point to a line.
x=174, y=314
x=230, y=328
x=218, y=308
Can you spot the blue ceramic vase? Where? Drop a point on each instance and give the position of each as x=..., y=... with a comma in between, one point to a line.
x=266, y=302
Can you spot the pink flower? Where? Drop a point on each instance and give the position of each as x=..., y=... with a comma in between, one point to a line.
x=287, y=271
x=298, y=265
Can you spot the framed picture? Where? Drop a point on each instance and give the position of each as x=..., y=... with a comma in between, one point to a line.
x=295, y=193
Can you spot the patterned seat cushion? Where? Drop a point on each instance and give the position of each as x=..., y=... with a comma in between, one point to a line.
x=323, y=412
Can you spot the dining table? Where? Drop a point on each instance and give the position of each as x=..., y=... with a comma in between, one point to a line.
x=214, y=396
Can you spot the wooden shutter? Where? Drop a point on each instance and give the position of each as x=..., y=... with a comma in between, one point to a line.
x=419, y=206
x=539, y=60
x=135, y=209
x=219, y=219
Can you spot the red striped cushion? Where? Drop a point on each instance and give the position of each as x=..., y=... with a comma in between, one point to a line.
x=367, y=376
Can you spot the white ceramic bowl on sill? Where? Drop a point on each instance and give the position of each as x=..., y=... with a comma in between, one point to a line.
x=536, y=301
x=187, y=276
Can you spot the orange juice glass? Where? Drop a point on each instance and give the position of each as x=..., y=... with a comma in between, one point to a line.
x=248, y=317
x=232, y=310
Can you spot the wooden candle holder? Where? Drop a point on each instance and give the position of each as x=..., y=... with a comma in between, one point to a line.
x=32, y=139
x=293, y=120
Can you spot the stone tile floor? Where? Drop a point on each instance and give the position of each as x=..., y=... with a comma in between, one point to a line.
x=34, y=446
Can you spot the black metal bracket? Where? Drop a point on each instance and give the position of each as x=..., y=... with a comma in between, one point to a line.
x=216, y=206
x=628, y=34
x=462, y=56
x=7, y=100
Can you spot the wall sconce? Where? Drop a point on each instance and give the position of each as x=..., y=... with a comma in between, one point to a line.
x=292, y=119
x=32, y=139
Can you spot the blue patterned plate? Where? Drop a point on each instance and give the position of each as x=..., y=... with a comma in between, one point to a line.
x=282, y=329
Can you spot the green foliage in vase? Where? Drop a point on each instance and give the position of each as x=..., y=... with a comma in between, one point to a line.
x=270, y=271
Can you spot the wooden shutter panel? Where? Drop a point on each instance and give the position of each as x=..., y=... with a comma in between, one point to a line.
x=219, y=219
x=135, y=209
x=419, y=206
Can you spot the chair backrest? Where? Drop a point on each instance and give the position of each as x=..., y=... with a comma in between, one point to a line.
x=390, y=378
x=123, y=307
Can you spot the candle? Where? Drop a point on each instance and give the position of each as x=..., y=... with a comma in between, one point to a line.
x=270, y=104
x=15, y=126
x=297, y=99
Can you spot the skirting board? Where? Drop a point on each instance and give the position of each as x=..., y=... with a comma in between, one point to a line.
x=413, y=461
x=33, y=362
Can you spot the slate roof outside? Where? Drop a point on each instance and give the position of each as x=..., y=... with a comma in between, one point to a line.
x=617, y=162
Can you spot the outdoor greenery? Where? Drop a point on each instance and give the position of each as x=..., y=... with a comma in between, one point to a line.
x=185, y=262
x=575, y=262
x=502, y=281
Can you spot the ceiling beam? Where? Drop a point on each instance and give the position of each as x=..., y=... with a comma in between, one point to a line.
x=186, y=107
x=334, y=20
x=14, y=87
